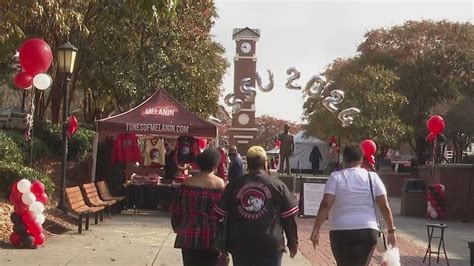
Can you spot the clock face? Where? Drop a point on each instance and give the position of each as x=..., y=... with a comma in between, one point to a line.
x=244, y=119
x=245, y=47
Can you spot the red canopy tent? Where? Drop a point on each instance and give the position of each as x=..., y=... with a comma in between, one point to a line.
x=160, y=114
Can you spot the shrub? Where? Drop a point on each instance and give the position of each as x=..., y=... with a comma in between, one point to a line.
x=9, y=150
x=78, y=146
x=40, y=148
x=11, y=172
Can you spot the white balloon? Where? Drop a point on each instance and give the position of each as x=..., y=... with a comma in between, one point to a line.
x=42, y=81
x=429, y=204
x=430, y=209
x=40, y=218
x=28, y=198
x=24, y=185
x=434, y=214
x=36, y=207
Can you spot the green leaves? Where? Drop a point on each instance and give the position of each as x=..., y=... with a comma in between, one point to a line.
x=127, y=50
x=398, y=77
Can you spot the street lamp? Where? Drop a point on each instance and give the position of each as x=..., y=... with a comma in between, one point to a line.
x=66, y=56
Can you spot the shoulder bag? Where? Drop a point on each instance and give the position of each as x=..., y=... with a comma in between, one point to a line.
x=381, y=242
x=220, y=238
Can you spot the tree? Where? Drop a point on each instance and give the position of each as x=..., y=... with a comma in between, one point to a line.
x=268, y=129
x=127, y=49
x=458, y=127
x=433, y=61
x=368, y=88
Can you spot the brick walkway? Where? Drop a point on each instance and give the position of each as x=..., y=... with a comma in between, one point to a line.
x=410, y=253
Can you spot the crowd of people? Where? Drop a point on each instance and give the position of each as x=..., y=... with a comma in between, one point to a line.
x=258, y=211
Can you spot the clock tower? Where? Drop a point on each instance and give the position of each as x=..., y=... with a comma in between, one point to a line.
x=243, y=129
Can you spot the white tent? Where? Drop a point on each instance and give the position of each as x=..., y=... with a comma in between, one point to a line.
x=303, y=146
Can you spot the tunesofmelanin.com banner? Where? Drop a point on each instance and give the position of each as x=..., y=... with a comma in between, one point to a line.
x=181, y=129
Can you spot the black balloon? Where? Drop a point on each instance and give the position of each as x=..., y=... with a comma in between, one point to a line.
x=15, y=218
x=441, y=138
x=28, y=241
x=19, y=228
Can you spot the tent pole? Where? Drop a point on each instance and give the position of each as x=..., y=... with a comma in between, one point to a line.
x=94, y=156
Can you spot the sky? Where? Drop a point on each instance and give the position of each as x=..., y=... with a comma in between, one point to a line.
x=309, y=35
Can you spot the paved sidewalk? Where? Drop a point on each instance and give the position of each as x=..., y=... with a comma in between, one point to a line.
x=412, y=240
x=126, y=239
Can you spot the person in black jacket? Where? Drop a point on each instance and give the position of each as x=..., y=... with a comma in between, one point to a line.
x=314, y=158
x=258, y=209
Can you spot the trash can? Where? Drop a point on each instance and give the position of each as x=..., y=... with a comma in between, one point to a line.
x=413, y=201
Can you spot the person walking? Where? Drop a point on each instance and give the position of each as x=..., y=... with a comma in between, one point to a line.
x=348, y=202
x=192, y=217
x=258, y=210
x=314, y=159
x=236, y=166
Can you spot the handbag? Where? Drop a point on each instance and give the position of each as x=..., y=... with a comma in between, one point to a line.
x=381, y=242
x=220, y=238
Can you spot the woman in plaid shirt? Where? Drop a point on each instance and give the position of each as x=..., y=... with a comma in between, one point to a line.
x=191, y=213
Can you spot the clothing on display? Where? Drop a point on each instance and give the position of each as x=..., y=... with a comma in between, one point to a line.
x=126, y=149
x=154, y=153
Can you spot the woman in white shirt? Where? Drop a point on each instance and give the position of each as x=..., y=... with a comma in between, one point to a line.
x=348, y=203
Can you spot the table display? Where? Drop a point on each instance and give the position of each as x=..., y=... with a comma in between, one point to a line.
x=150, y=196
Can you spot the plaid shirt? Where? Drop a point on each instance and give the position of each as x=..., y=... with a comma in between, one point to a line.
x=192, y=217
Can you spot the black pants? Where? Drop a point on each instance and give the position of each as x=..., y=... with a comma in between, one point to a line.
x=195, y=257
x=272, y=260
x=353, y=247
x=315, y=167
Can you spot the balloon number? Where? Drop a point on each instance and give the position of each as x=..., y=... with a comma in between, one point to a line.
x=337, y=96
x=346, y=116
x=294, y=75
x=236, y=104
x=315, y=87
x=28, y=218
x=268, y=87
x=247, y=90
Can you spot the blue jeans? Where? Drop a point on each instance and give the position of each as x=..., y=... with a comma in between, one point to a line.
x=272, y=260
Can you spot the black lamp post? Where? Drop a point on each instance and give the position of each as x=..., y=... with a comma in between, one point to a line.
x=66, y=56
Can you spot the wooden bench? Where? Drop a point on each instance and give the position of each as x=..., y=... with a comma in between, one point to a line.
x=92, y=199
x=104, y=192
x=78, y=206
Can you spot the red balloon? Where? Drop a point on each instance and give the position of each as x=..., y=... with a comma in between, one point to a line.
x=21, y=208
x=28, y=218
x=43, y=198
x=35, y=56
x=39, y=239
x=14, y=188
x=369, y=147
x=23, y=80
x=37, y=188
x=434, y=203
x=35, y=229
x=435, y=124
x=431, y=137
x=15, y=197
x=15, y=239
x=202, y=143
x=72, y=126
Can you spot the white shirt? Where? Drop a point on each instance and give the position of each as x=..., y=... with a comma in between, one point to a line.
x=353, y=207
